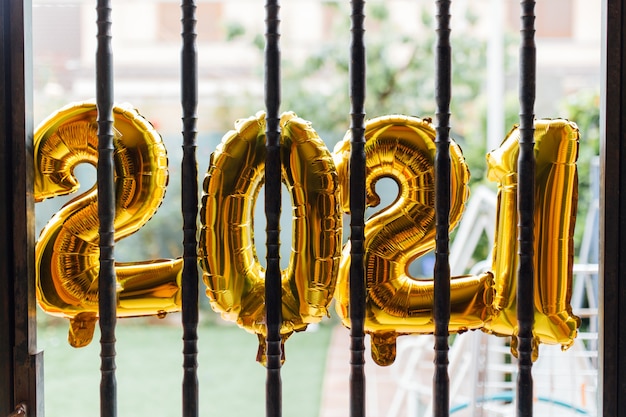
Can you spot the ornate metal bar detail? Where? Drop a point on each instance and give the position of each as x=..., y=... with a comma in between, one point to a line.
x=357, y=210
x=189, y=203
x=525, y=206
x=20, y=411
x=441, y=310
x=106, y=210
x=273, y=302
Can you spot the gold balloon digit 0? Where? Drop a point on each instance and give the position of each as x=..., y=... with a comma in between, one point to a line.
x=67, y=252
x=556, y=197
x=232, y=273
x=402, y=148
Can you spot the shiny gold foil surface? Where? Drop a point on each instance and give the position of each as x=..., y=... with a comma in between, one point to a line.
x=67, y=252
x=402, y=148
x=556, y=197
x=232, y=273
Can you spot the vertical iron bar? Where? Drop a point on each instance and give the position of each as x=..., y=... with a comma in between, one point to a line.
x=612, y=351
x=106, y=210
x=357, y=210
x=21, y=366
x=525, y=204
x=273, y=291
x=189, y=101
x=441, y=380
x=7, y=298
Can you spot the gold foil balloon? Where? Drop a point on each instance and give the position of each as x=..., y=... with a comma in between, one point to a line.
x=556, y=197
x=232, y=273
x=67, y=252
x=402, y=148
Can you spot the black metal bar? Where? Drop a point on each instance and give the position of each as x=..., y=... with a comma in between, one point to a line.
x=7, y=300
x=106, y=210
x=273, y=290
x=189, y=99
x=21, y=366
x=612, y=350
x=357, y=210
x=443, y=61
x=525, y=207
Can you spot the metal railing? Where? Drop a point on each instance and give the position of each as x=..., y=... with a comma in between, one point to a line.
x=21, y=363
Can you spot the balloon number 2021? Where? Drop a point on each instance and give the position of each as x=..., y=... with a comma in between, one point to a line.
x=398, y=147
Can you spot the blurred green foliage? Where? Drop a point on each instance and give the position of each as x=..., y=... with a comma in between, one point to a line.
x=400, y=80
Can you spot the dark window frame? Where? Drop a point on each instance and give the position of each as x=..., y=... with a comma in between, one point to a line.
x=21, y=378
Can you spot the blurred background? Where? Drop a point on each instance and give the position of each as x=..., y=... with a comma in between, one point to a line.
x=400, y=41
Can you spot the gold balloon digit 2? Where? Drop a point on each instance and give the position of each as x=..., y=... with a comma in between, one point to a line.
x=402, y=148
x=67, y=252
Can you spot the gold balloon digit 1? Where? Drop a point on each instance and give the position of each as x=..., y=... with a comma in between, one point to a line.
x=232, y=273
x=556, y=197
x=67, y=252
x=402, y=148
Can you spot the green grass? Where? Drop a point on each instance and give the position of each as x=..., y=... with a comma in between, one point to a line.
x=149, y=371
